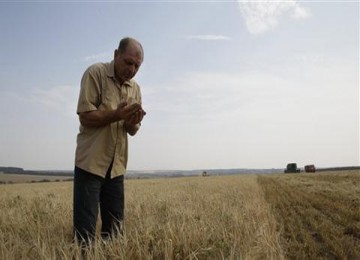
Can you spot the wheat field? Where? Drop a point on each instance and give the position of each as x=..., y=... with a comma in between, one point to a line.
x=300, y=216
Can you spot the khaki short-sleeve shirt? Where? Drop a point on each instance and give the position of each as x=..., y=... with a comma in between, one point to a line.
x=97, y=147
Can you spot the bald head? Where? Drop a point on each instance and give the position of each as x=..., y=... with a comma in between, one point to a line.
x=127, y=42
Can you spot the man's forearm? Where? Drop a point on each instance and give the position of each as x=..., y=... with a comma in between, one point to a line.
x=98, y=118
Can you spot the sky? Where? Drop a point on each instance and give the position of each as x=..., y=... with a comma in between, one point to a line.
x=225, y=84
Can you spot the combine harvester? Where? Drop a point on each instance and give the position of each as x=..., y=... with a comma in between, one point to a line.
x=292, y=168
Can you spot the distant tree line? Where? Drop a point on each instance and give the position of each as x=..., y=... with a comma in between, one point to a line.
x=34, y=181
x=11, y=170
x=17, y=170
x=349, y=168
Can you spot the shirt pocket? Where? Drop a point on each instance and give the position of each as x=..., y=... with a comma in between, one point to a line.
x=131, y=95
x=110, y=95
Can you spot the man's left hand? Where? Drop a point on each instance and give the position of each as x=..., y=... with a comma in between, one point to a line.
x=133, y=123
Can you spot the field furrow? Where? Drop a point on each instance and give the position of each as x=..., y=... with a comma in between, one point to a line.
x=318, y=218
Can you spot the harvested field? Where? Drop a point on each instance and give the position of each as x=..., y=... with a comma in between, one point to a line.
x=318, y=215
x=300, y=216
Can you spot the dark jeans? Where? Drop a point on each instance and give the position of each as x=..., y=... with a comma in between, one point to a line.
x=90, y=191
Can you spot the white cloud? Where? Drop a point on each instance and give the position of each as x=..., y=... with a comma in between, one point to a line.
x=300, y=12
x=97, y=57
x=208, y=37
x=311, y=59
x=214, y=97
x=62, y=99
x=258, y=95
x=43, y=123
x=263, y=16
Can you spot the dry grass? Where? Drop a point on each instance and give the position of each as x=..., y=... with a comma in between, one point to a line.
x=229, y=217
x=183, y=218
x=217, y=217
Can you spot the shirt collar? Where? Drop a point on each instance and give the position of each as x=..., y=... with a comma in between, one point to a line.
x=111, y=74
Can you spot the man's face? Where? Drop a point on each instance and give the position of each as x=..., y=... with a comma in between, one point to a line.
x=128, y=63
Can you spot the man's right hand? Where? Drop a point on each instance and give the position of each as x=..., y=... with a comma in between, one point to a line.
x=125, y=112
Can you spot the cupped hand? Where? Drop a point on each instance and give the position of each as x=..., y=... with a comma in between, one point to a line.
x=125, y=112
x=136, y=117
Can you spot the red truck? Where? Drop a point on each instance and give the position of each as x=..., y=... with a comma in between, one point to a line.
x=310, y=168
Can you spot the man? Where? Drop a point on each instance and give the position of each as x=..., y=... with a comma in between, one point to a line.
x=109, y=108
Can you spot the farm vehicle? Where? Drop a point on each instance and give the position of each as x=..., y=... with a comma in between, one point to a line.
x=292, y=168
x=310, y=168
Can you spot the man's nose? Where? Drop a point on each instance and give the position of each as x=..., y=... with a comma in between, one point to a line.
x=132, y=69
